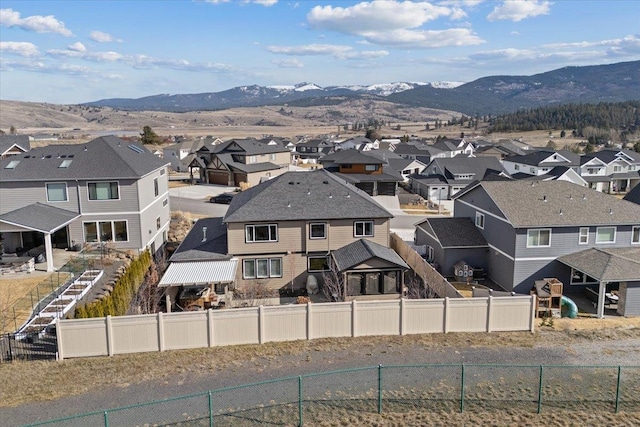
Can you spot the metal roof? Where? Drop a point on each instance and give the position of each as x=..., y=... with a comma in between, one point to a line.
x=199, y=272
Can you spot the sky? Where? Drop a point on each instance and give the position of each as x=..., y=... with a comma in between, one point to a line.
x=66, y=52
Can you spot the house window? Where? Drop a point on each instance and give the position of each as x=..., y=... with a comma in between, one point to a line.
x=539, y=238
x=272, y=156
x=606, y=235
x=156, y=188
x=317, y=264
x=261, y=233
x=635, y=234
x=479, y=220
x=103, y=231
x=261, y=268
x=103, y=190
x=371, y=168
x=532, y=170
x=583, y=239
x=516, y=167
x=318, y=230
x=162, y=171
x=617, y=168
x=363, y=229
x=12, y=164
x=347, y=166
x=165, y=202
x=430, y=254
x=252, y=159
x=158, y=223
x=57, y=192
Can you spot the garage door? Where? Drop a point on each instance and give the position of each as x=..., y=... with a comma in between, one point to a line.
x=367, y=187
x=386, y=189
x=220, y=178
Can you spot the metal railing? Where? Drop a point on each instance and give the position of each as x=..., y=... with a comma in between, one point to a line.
x=316, y=398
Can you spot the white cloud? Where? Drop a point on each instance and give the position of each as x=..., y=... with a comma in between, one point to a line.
x=375, y=16
x=19, y=48
x=288, y=63
x=77, y=46
x=63, y=69
x=517, y=10
x=36, y=23
x=88, y=56
x=426, y=39
x=102, y=37
x=458, y=13
x=336, y=51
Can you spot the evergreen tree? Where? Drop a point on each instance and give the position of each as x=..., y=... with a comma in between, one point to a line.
x=148, y=136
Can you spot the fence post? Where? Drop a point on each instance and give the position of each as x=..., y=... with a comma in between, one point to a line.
x=446, y=315
x=532, y=314
x=210, y=326
x=301, y=422
x=489, y=305
x=618, y=389
x=106, y=419
x=260, y=325
x=354, y=319
x=309, y=320
x=380, y=388
x=540, y=391
x=109, y=335
x=462, y=389
x=403, y=321
x=160, y=321
x=59, y=340
x=210, y=401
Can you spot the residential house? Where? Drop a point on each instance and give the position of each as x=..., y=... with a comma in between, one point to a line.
x=180, y=155
x=107, y=190
x=11, y=145
x=359, y=143
x=530, y=225
x=455, y=147
x=241, y=160
x=611, y=170
x=444, y=177
x=303, y=223
x=633, y=195
x=545, y=165
x=399, y=165
x=417, y=150
x=365, y=171
x=310, y=151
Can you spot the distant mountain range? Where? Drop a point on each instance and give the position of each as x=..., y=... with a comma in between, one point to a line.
x=487, y=95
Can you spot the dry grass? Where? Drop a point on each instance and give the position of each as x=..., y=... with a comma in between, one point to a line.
x=19, y=293
x=178, y=184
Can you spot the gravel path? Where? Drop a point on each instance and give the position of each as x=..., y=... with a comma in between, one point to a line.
x=552, y=348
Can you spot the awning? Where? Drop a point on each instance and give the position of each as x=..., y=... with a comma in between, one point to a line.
x=39, y=217
x=606, y=265
x=199, y=273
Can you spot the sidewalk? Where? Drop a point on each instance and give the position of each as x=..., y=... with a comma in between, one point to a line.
x=199, y=191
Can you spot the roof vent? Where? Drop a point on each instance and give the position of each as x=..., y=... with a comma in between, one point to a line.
x=325, y=182
x=610, y=211
x=330, y=196
x=204, y=234
x=584, y=196
x=544, y=199
x=348, y=195
x=85, y=148
x=290, y=182
x=308, y=192
x=570, y=197
x=288, y=204
x=561, y=212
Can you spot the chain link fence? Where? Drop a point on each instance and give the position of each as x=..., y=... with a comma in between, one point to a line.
x=331, y=396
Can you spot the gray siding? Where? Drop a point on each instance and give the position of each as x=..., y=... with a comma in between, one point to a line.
x=500, y=269
x=475, y=257
x=630, y=297
x=15, y=195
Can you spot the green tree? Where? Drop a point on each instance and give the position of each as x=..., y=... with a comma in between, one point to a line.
x=636, y=147
x=588, y=148
x=563, y=134
x=12, y=130
x=373, y=134
x=148, y=136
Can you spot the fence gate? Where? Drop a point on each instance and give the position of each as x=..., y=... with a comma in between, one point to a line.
x=28, y=346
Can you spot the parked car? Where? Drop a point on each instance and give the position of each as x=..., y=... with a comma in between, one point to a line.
x=222, y=198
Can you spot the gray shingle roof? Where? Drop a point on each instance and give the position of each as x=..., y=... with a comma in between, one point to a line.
x=362, y=250
x=608, y=265
x=8, y=141
x=102, y=158
x=609, y=155
x=40, y=217
x=523, y=204
x=634, y=195
x=351, y=156
x=248, y=147
x=456, y=232
x=207, y=240
x=313, y=195
x=538, y=157
x=368, y=177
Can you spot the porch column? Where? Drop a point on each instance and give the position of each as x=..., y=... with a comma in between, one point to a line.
x=601, y=291
x=167, y=298
x=48, y=251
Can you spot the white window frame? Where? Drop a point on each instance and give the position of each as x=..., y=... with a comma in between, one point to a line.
x=272, y=156
x=584, y=233
x=430, y=254
x=102, y=182
x=370, y=168
x=364, y=229
x=66, y=192
x=158, y=223
x=253, y=228
x=327, y=260
x=324, y=231
x=615, y=231
x=635, y=229
x=480, y=220
x=256, y=275
x=156, y=187
x=538, y=230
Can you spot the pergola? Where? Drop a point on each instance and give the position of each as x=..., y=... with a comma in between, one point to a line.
x=605, y=266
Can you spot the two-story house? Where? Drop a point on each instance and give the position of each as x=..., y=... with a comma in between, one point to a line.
x=241, y=160
x=397, y=164
x=528, y=225
x=302, y=223
x=107, y=190
x=444, y=177
x=455, y=147
x=179, y=155
x=365, y=171
x=611, y=170
x=545, y=165
x=310, y=151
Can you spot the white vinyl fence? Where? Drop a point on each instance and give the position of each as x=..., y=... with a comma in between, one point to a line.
x=257, y=325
